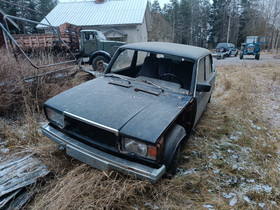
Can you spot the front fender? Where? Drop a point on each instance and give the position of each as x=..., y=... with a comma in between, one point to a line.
x=97, y=53
x=172, y=139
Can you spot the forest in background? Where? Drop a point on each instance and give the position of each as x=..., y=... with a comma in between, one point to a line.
x=44, y=6
x=201, y=23
x=204, y=24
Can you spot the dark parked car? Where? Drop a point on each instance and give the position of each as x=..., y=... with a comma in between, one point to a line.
x=134, y=118
x=227, y=48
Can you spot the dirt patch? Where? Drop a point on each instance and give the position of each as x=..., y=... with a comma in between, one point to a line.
x=250, y=61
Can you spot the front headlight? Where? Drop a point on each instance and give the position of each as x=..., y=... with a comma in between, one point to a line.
x=139, y=148
x=55, y=117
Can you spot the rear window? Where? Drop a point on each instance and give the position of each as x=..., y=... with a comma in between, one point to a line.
x=221, y=45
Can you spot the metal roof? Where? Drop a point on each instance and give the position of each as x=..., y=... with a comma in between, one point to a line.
x=181, y=50
x=89, y=13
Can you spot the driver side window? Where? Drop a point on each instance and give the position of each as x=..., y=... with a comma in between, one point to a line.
x=89, y=36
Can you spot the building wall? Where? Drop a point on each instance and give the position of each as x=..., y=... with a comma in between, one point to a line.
x=134, y=33
x=141, y=32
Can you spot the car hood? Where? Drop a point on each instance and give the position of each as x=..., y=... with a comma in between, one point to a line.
x=133, y=113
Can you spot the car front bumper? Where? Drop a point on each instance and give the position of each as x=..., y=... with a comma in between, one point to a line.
x=101, y=160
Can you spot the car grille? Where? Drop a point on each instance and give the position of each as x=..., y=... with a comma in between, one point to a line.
x=90, y=133
x=250, y=49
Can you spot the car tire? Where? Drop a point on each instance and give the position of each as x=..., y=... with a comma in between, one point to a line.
x=241, y=55
x=209, y=101
x=97, y=63
x=174, y=163
x=236, y=54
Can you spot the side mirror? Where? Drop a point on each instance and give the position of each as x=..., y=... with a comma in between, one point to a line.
x=203, y=87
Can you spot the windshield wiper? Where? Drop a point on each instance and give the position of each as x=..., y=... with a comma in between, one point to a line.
x=147, y=91
x=151, y=83
x=116, y=76
x=118, y=83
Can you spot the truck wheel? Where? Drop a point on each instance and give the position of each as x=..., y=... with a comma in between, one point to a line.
x=241, y=55
x=174, y=163
x=257, y=56
x=97, y=63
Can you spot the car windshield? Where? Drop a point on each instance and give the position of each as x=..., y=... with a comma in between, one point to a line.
x=251, y=39
x=101, y=36
x=154, y=66
x=221, y=45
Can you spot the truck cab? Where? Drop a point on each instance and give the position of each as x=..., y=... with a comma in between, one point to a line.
x=95, y=48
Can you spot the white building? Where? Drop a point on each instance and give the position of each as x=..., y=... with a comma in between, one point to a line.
x=122, y=20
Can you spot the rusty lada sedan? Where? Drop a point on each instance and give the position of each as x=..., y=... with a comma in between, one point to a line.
x=134, y=118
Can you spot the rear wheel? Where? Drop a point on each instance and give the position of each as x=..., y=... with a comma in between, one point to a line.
x=97, y=63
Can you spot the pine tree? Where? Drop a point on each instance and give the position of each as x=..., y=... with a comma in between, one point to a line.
x=45, y=6
x=158, y=32
x=219, y=21
x=155, y=7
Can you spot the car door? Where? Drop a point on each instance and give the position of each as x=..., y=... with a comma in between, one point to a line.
x=205, y=75
x=89, y=44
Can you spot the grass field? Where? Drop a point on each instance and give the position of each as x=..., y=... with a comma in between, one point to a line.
x=230, y=161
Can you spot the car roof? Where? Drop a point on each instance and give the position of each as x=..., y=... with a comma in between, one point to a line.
x=87, y=30
x=181, y=50
x=223, y=43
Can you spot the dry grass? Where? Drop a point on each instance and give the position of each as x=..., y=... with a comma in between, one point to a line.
x=17, y=94
x=234, y=149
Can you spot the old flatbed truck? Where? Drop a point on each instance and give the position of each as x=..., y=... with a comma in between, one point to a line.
x=89, y=45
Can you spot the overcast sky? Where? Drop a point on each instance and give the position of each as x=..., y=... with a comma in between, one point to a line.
x=161, y=2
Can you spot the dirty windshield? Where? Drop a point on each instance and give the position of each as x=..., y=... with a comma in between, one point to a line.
x=101, y=36
x=125, y=59
x=251, y=39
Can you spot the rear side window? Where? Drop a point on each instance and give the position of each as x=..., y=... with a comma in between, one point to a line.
x=201, y=72
x=204, y=69
x=208, y=67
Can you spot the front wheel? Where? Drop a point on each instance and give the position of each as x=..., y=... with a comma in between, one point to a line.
x=97, y=63
x=257, y=56
x=174, y=164
x=241, y=55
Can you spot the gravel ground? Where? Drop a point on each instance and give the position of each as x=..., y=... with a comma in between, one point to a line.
x=250, y=60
